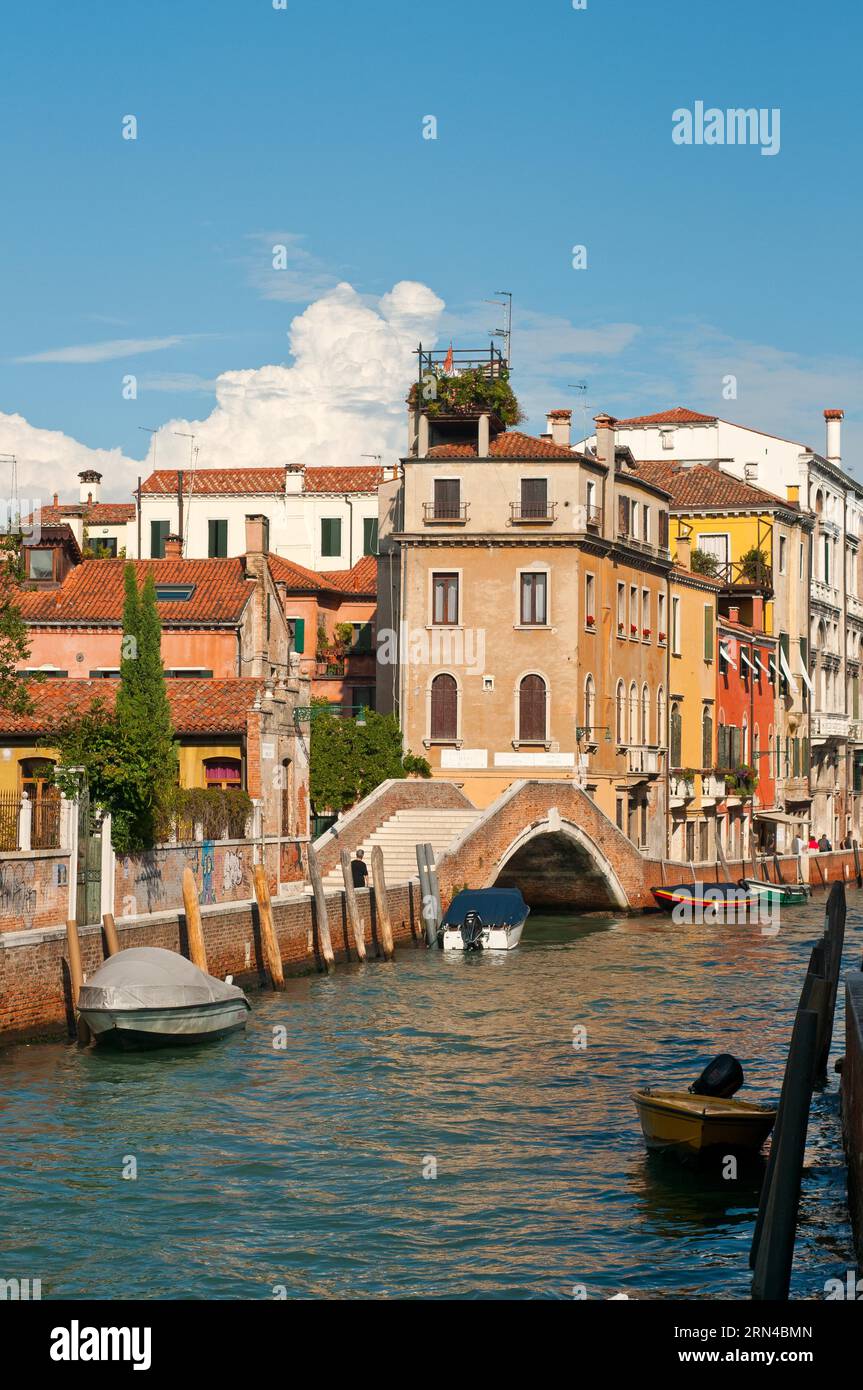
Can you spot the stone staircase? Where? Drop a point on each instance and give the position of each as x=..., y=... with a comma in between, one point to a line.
x=400, y=834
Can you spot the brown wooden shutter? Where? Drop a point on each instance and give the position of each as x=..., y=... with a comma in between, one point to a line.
x=444, y=708
x=623, y=516
x=531, y=710
x=446, y=498
x=534, y=497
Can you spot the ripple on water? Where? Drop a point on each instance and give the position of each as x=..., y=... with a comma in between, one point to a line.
x=304, y=1167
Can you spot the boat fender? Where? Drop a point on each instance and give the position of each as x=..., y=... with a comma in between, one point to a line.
x=722, y=1077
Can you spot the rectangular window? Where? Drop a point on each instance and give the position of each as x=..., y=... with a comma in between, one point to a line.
x=159, y=532
x=217, y=539
x=362, y=637
x=782, y=548
x=633, y=517
x=40, y=564
x=662, y=631
x=785, y=648
x=646, y=527
x=331, y=535
x=445, y=599
x=645, y=612
x=363, y=696
x=589, y=600
x=620, y=814
x=623, y=516
x=675, y=626
x=447, y=499
x=690, y=840
x=800, y=562
x=370, y=535
x=534, y=593
x=633, y=612
x=297, y=630
x=708, y=632
x=663, y=530
x=104, y=547
x=534, y=498
x=621, y=609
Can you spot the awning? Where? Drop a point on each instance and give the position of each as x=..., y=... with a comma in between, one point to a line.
x=726, y=655
x=780, y=818
x=771, y=662
x=786, y=671
x=760, y=664
x=744, y=657
x=805, y=676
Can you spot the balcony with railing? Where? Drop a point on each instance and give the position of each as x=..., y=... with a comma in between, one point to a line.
x=830, y=725
x=712, y=787
x=642, y=760
x=593, y=517
x=532, y=513
x=445, y=513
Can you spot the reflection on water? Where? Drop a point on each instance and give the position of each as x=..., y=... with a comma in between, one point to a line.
x=305, y=1167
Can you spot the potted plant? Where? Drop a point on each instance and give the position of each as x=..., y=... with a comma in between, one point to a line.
x=633, y=629
x=620, y=629
x=590, y=620
x=662, y=636
x=645, y=632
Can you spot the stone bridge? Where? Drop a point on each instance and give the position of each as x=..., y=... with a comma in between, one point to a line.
x=550, y=840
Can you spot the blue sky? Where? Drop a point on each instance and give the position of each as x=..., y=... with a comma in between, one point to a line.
x=303, y=126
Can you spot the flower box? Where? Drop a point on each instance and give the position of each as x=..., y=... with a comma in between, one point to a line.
x=645, y=632
x=590, y=620
x=633, y=630
x=620, y=629
x=662, y=636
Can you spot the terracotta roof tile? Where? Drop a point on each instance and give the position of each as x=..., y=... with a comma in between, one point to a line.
x=361, y=578
x=96, y=514
x=678, y=416
x=507, y=444
x=295, y=577
x=703, y=486
x=197, y=706
x=93, y=592
x=261, y=482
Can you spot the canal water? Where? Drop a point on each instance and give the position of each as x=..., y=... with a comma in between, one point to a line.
x=428, y=1131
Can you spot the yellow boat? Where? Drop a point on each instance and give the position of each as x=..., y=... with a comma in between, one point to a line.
x=681, y=1120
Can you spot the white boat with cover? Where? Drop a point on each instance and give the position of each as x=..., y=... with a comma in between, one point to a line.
x=149, y=997
x=484, y=919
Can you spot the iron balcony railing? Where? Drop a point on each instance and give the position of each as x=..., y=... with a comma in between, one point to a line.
x=532, y=511
x=453, y=512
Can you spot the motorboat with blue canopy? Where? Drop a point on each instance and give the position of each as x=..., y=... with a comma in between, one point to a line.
x=484, y=919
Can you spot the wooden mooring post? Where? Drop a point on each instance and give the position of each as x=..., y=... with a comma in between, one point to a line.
x=429, y=892
x=194, y=928
x=352, y=907
x=76, y=977
x=269, y=939
x=109, y=928
x=382, y=909
x=772, y=1249
x=321, y=917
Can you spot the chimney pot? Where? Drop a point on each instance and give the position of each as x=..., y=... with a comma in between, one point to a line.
x=834, y=420
x=734, y=615
x=684, y=552
x=558, y=423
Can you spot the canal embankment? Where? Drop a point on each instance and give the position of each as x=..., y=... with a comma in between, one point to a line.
x=35, y=989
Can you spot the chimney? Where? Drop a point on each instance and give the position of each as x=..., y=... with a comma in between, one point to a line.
x=56, y=499
x=257, y=534
x=173, y=547
x=558, y=425
x=734, y=615
x=758, y=612
x=793, y=492
x=684, y=552
x=834, y=420
x=91, y=485
x=482, y=444
x=605, y=454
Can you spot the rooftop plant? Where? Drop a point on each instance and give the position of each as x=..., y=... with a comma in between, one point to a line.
x=465, y=393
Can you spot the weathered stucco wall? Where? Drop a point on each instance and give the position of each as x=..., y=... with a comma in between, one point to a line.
x=33, y=889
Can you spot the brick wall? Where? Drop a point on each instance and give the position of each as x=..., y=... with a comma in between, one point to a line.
x=33, y=889
x=852, y=1101
x=34, y=977
x=397, y=794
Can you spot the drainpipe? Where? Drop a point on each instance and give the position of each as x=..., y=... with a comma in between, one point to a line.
x=180, y=504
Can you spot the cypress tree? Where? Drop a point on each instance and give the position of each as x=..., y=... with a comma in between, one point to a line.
x=143, y=713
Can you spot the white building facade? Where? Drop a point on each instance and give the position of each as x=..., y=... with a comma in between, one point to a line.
x=321, y=518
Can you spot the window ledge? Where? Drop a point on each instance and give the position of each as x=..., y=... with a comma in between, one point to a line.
x=532, y=743
x=443, y=742
x=531, y=627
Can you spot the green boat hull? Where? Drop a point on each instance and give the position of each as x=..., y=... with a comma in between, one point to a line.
x=787, y=895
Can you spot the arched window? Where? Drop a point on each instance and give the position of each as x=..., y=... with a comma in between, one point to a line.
x=645, y=715
x=531, y=710
x=661, y=734
x=676, y=742
x=444, y=708
x=756, y=739
x=633, y=713
x=589, y=706
x=621, y=712
x=707, y=738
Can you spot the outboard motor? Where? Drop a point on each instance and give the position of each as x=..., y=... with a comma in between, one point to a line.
x=471, y=931
x=721, y=1077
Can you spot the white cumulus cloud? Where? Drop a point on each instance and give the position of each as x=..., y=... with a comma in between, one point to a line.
x=341, y=397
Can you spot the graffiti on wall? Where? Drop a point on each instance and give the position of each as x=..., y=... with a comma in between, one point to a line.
x=18, y=894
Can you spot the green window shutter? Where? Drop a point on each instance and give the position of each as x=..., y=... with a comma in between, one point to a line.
x=785, y=645
x=299, y=635
x=370, y=535
x=363, y=638
x=159, y=531
x=708, y=632
x=331, y=535
x=217, y=539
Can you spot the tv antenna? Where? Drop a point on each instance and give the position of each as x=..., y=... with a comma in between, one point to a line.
x=585, y=404
x=193, y=463
x=505, y=303
x=14, y=502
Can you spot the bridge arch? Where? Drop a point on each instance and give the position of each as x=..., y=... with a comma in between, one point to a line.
x=555, y=863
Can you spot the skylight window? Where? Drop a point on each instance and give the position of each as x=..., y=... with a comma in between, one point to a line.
x=174, y=593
